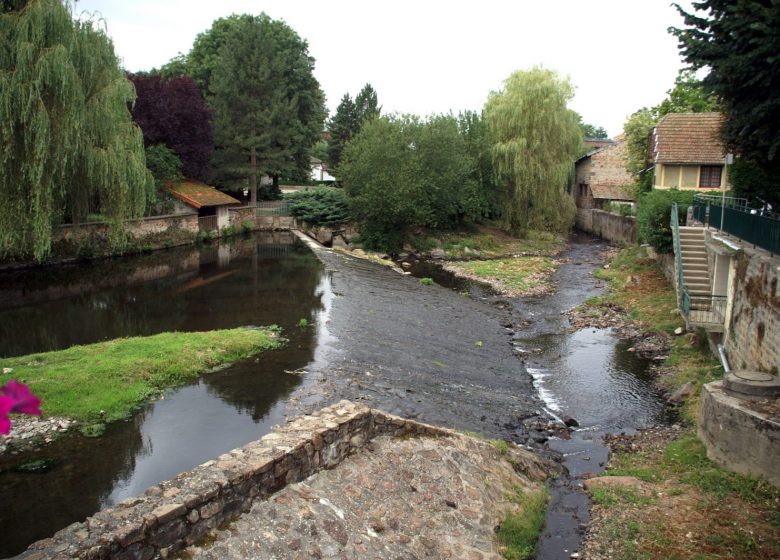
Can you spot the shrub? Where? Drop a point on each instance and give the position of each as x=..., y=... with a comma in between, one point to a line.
x=323, y=206
x=654, y=213
x=247, y=226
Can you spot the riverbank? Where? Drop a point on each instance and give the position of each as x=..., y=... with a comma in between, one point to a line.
x=660, y=496
x=95, y=384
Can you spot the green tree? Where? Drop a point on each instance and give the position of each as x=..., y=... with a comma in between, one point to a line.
x=739, y=42
x=636, y=129
x=591, y=130
x=268, y=107
x=204, y=57
x=68, y=145
x=177, y=66
x=687, y=96
x=342, y=127
x=480, y=201
x=403, y=172
x=535, y=141
x=366, y=105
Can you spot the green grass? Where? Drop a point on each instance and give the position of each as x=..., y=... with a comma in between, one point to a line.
x=519, y=533
x=489, y=242
x=107, y=380
x=426, y=281
x=618, y=495
x=518, y=275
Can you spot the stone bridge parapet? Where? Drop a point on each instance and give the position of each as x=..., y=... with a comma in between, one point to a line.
x=182, y=511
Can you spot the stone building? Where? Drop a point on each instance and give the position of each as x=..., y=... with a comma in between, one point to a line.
x=601, y=177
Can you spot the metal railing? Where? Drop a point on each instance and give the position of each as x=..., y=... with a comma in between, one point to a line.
x=706, y=310
x=273, y=208
x=675, y=224
x=760, y=229
x=207, y=223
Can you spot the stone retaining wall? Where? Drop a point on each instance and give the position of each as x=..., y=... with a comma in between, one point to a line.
x=139, y=228
x=182, y=511
x=276, y=222
x=754, y=331
x=737, y=437
x=612, y=227
x=241, y=214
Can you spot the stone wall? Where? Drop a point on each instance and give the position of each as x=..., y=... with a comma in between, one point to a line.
x=612, y=227
x=180, y=512
x=753, y=341
x=139, y=228
x=276, y=222
x=737, y=437
x=241, y=214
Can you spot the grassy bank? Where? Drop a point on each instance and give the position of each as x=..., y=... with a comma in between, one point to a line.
x=488, y=242
x=107, y=380
x=513, y=276
x=519, y=533
x=680, y=505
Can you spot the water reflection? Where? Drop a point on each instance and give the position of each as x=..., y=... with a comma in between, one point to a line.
x=255, y=281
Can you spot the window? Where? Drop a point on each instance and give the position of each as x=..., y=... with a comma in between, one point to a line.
x=710, y=176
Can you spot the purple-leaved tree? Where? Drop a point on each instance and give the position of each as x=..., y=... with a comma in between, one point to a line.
x=173, y=112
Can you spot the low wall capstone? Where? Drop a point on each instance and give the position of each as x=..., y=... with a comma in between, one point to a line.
x=180, y=512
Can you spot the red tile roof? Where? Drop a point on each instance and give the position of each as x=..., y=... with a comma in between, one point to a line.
x=198, y=194
x=688, y=138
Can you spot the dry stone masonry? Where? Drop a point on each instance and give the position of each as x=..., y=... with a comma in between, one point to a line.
x=181, y=512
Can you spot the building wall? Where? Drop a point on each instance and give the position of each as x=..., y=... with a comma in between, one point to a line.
x=607, y=167
x=753, y=339
x=223, y=219
x=684, y=177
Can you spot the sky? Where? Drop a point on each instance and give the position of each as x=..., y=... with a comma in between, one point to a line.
x=430, y=56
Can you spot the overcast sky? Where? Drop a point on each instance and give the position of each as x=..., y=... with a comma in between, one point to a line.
x=427, y=56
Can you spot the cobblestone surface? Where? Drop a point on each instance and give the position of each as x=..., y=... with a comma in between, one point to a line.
x=418, y=497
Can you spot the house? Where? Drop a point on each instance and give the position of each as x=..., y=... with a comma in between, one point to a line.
x=319, y=170
x=211, y=204
x=687, y=153
x=601, y=176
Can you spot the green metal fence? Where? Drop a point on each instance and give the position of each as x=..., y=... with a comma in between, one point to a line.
x=738, y=220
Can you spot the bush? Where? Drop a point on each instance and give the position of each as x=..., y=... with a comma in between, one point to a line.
x=247, y=226
x=653, y=214
x=323, y=206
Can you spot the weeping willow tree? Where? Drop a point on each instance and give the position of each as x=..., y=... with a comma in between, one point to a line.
x=535, y=139
x=68, y=145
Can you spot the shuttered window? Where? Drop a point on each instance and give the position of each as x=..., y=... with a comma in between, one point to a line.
x=710, y=176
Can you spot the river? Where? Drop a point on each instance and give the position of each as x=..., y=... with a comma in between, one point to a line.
x=452, y=353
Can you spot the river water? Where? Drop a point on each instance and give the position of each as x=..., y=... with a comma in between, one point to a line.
x=476, y=362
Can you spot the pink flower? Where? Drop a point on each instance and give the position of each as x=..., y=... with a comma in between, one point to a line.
x=16, y=397
x=6, y=404
x=25, y=402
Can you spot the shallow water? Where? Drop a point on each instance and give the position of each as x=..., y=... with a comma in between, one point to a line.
x=259, y=281
x=376, y=337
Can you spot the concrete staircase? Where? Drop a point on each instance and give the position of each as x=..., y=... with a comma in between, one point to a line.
x=696, y=272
